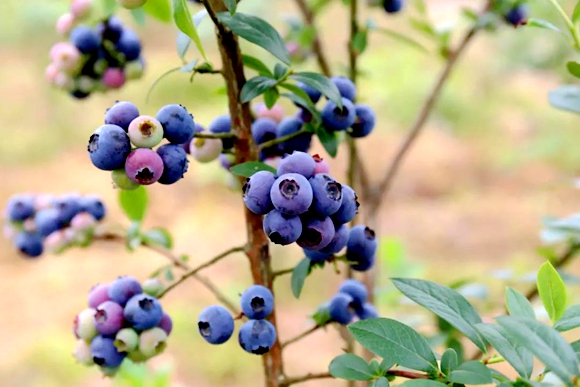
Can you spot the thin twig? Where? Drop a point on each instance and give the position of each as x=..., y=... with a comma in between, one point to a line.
x=217, y=293
x=300, y=336
x=214, y=135
x=282, y=272
x=301, y=379
x=308, y=16
x=279, y=140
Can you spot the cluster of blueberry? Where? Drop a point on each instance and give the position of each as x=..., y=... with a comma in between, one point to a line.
x=94, y=59
x=517, y=15
x=122, y=320
x=110, y=145
x=36, y=223
x=257, y=335
x=350, y=301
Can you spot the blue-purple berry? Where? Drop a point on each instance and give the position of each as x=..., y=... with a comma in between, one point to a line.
x=256, y=192
x=263, y=130
x=257, y=336
x=336, y=118
x=98, y=294
x=124, y=288
x=175, y=163
x=215, y=324
x=93, y=205
x=166, y=323
x=129, y=45
x=341, y=308
x=111, y=29
x=367, y=311
x=121, y=114
x=365, y=121
x=317, y=233
x=104, y=352
x=393, y=6
x=144, y=166
x=313, y=94
x=223, y=124
x=300, y=142
x=341, y=234
x=317, y=256
x=282, y=229
x=29, y=244
x=346, y=87
x=297, y=162
x=517, y=15
x=291, y=194
x=67, y=206
x=47, y=221
x=20, y=208
x=257, y=302
x=327, y=194
x=348, y=208
x=178, y=124
x=143, y=311
x=108, y=147
x=85, y=39
x=356, y=289
x=108, y=318
x=361, y=248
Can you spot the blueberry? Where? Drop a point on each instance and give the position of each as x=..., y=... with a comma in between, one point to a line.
x=227, y=161
x=81, y=9
x=291, y=194
x=517, y=15
x=47, y=221
x=215, y=324
x=152, y=342
x=29, y=244
x=341, y=308
x=361, y=248
x=313, y=94
x=126, y=340
x=85, y=39
x=113, y=78
x=111, y=29
x=83, y=325
x=317, y=256
x=93, y=205
x=257, y=336
x=82, y=221
x=197, y=129
x=282, y=229
x=346, y=87
x=144, y=166
x=263, y=130
x=79, y=94
x=98, y=294
x=257, y=302
x=335, y=118
x=124, y=288
x=304, y=115
x=129, y=45
x=297, y=162
x=82, y=353
x=65, y=23
x=367, y=311
x=392, y=6
x=223, y=124
x=121, y=114
x=276, y=113
x=301, y=142
x=356, y=290
x=108, y=147
x=175, y=163
x=205, y=150
x=178, y=124
x=317, y=233
x=68, y=207
x=341, y=234
x=166, y=324
x=152, y=286
x=321, y=165
x=108, y=318
x=327, y=194
x=143, y=312
x=122, y=181
x=105, y=353
x=349, y=207
x=365, y=121
x=257, y=192
x=20, y=208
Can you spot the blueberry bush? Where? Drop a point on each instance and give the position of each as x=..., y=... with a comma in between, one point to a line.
x=289, y=196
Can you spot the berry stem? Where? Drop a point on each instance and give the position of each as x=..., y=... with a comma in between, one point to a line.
x=281, y=139
x=300, y=336
x=308, y=16
x=326, y=375
x=282, y=272
x=569, y=24
x=214, y=135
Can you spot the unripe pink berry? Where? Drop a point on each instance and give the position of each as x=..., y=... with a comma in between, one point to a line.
x=43, y=201
x=205, y=150
x=131, y=4
x=64, y=81
x=113, y=78
x=273, y=161
x=65, y=23
x=82, y=353
x=9, y=232
x=51, y=73
x=81, y=9
x=83, y=221
x=55, y=242
x=65, y=56
x=29, y=225
x=70, y=235
x=321, y=166
x=276, y=113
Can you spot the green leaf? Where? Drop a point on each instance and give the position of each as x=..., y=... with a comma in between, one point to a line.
x=552, y=291
x=270, y=97
x=576, y=13
x=257, y=65
x=328, y=140
x=257, y=31
x=189, y=67
x=350, y=367
x=446, y=303
x=256, y=86
x=280, y=71
x=471, y=372
x=321, y=83
x=321, y=317
x=247, y=169
x=169, y=274
x=359, y=43
x=573, y=68
x=396, y=341
x=545, y=343
x=515, y=354
x=134, y=203
x=299, y=275
x=381, y=382
x=183, y=43
x=539, y=23
x=138, y=15
x=159, y=9
x=449, y=361
x=159, y=236
x=184, y=22
x=231, y=6
x=423, y=383
x=518, y=305
x=306, y=103
x=569, y=320
x=566, y=98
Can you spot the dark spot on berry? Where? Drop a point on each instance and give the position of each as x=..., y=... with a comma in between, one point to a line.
x=276, y=238
x=93, y=143
x=99, y=360
x=100, y=316
x=340, y=112
x=289, y=188
x=369, y=234
x=334, y=191
x=145, y=175
x=204, y=328
x=261, y=350
x=311, y=237
x=257, y=304
x=146, y=304
x=246, y=187
x=146, y=128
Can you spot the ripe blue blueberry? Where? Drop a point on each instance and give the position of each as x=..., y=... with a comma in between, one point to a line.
x=144, y=166
x=297, y=162
x=361, y=248
x=108, y=318
x=68, y=207
x=348, y=208
x=178, y=124
x=223, y=124
x=517, y=15
x=175, y=163
x=356, y=289
x=263, y=130
x=341, y=234
x=282, y=229
x=327, y=194
x=104, y=352
x=301, y=142
x=367, y=311
x=129, y=45
x=29, y=244
x=121, y=114
x=257, y=192
x=317, y=233
x=227, y=161
x=166, y=324
x=257, y=302
x=111, y=29
x=313, y=94
x=392, y=6
x=345, y=86
x=291, y=194
x=215, y=324
x=143, y=312
x=47, y=221
x=85, y=39
x=335, y=118
x=19, y=208
x=257, y=336
x=317, y=256
x=108, y=147
x=341, y=308
x=365, y=121
x=93, y=205
x=124, y=288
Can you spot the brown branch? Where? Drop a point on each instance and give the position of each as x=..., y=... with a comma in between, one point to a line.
x=217, y=293
x=407, y=374
x=308, y=16
x=214, y=135
x=301, y=379
x=282, y=272
x=300, y=336
x=279, y=140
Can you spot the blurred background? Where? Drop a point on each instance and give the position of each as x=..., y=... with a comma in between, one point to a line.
x=468, y=203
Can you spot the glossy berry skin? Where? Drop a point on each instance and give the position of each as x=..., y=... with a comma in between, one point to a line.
x=98, y=294
x=108, y=147
x=85, y=39
x=143, y=312
x=313, y=94
x=47, y=221
x=122, y=181
x=145, y=132
x=223, y=124
x=367, y=311
x=20, y=208
x=282, y=229
x=215, y=324
x=121, y=114
x=327, y=194
x=178, y=124
x=144, y=166
x=166, y=323
x=152, y=342
x=29, y=244
x=299, y=143
x=126, y=340
x=356, y=290
x=93, y=205
x=365, y=121
x=341, y=308
x=341, y=235
x=175, y=163
x=124, y=288
x=335, y=118
x=264, y=129
x=256, y=192
x=297, y=162
x=108, y=318
x=348, y=208
x=104, y=352
x=346, y=87
x=83, y=325
x=257, y=302
x=317, y=256
x=317, y=233
x=321, y=166
x=257, y=336
x=517, y=15
x=361, y=248
x=392, y=6
x=291, y=194
x=129, y=45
